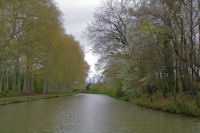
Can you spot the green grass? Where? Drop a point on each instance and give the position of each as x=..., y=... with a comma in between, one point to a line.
x=11, y=94
x=11, y=100
x=181, y=106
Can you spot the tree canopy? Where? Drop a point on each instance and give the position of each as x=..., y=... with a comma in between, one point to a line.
x=35, y=53
x=148, y=46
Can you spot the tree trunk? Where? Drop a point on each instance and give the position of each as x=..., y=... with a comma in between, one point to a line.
x=1, y=79
x=45, y=84
x=177, y=79
x=14, y=80
x=32, y=84
x=19, y=81
x=25, y=82
x=191, y=50
x=6, y=80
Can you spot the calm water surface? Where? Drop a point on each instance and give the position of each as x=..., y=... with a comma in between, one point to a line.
x=90, y=113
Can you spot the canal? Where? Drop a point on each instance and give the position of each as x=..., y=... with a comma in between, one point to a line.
x=90, y=113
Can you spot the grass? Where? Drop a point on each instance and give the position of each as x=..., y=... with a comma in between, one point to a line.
x=11, y=94
x=182, y=105
x=22, y=98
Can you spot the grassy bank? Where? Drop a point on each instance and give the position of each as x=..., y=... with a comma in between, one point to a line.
x=14, y=98
x=11, y=94
x=179, y=105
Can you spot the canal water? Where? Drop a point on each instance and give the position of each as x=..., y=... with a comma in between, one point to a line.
x=90, y=113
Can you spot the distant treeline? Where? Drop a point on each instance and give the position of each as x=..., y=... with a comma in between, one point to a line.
x=148, y=46
x=35, y=53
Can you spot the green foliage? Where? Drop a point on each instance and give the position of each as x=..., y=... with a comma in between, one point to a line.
x=11, y=94
x=138, y=101
x=148, y=48
x=35, y=53
x=183, y=107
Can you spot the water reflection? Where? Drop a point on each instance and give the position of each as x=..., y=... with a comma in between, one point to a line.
x=89, y=113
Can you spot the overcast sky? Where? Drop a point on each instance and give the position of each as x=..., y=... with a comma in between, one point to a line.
x=76, y=15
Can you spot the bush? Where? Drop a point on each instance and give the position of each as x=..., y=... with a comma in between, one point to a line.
x=183, y=107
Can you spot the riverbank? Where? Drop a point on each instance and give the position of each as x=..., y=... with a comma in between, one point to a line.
x=14, y=98
x=180, y=105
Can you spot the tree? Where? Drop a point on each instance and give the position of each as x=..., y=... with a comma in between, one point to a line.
x=35, y=53
x=153, y=44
